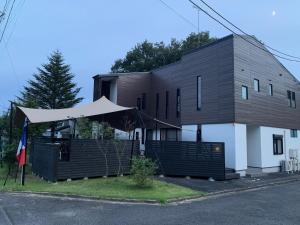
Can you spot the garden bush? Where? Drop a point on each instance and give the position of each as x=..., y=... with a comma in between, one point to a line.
x=142, y=171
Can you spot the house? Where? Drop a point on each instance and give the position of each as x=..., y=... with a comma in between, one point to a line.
x=227, y=91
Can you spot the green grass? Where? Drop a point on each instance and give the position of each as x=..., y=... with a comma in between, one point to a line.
x=119, y=188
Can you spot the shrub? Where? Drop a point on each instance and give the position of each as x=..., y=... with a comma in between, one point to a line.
x=142, y=171
x=10, y=154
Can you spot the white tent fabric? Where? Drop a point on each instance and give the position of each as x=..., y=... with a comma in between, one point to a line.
x=100, y=107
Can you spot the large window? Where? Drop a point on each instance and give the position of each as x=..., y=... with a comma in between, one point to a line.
x=277, y=144
x=199, y=89
x=271, y=89
x=294, y=133
x=256, y=85
x=178, y=103
x=244, y=92
x=291, y=99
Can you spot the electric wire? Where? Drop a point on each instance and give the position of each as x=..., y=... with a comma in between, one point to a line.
x=242, y=31
x=178, y=14
x=7, y=20
x=245, y=39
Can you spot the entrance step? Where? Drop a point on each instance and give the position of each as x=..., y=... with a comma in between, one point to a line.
x=231, y=174
x=255, y=173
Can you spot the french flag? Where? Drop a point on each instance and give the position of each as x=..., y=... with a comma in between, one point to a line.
x=21, y=152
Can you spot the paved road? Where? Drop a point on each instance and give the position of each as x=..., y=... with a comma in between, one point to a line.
x=273, y=205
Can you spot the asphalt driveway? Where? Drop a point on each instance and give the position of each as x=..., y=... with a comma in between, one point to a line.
x=274, y=205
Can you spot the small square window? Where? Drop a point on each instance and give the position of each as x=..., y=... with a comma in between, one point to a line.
x=294, y=133
x=271, y=89
x=244, y=92
x=256, y=85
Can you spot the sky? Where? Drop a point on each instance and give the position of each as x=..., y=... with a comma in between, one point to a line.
x=92, y=34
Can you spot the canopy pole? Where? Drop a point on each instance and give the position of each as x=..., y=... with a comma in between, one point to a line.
x=133, y=137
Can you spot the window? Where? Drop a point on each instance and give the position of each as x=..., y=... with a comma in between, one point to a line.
x=199, y=81
x=291, y=99
x=144, y=101
x=143, y=136
x=294, y=133
x=256, y=85
x=157, y=105
x=277, y=144
x=167, y=104
x=271, y=89
x=244, y=92
x=178, y=104
x=138, y=103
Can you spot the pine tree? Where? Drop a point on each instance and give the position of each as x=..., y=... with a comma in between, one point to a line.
x=52, y=87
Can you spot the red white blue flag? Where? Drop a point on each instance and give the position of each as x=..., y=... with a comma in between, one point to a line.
x=21, y=152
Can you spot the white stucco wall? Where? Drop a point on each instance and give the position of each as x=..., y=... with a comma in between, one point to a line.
x=189, y=133
x=235, y=139
x=268, y=158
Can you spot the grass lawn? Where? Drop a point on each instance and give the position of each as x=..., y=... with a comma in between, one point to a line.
x=119, y=188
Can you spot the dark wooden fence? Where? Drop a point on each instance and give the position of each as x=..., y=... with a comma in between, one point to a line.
x=80, y=158
x=188, y=158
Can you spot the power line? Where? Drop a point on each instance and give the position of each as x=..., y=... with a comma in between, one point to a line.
x=11, y=8
x=20, y=6
x=245, y=39
x=178, y=14
x=219, y=14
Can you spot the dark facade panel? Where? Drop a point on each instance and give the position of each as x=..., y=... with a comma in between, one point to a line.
x=87, y=158
x=188, y=158
x=261, y=108
x=215, y=66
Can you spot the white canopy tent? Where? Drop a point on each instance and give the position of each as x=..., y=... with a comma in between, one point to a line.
x=100, y=110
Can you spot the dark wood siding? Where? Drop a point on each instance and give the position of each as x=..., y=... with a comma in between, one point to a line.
x=214, y=63
x=132, y=86
x=262, y=109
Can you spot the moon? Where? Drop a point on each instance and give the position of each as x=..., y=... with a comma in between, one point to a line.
x=273, y=13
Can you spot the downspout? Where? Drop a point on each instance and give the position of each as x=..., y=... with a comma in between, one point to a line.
x=284, y=143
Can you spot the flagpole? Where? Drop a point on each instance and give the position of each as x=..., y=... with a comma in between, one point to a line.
x=24, y=166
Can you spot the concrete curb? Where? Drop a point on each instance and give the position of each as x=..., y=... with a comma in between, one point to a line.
x=177, y=201
x=228, y=192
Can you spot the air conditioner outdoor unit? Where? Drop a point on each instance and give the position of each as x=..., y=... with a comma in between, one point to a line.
x=286, y=166
x=293, y=153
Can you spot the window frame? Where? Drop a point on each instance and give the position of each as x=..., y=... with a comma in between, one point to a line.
x=271, y=90
x=293, y=99
x=167, y=105
x=199, y=93
x=157, y=105
x=277, y=138
x=247, y=95
x=256, y=84
x=294, y=133
x=178, y=102
x=291, y=95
